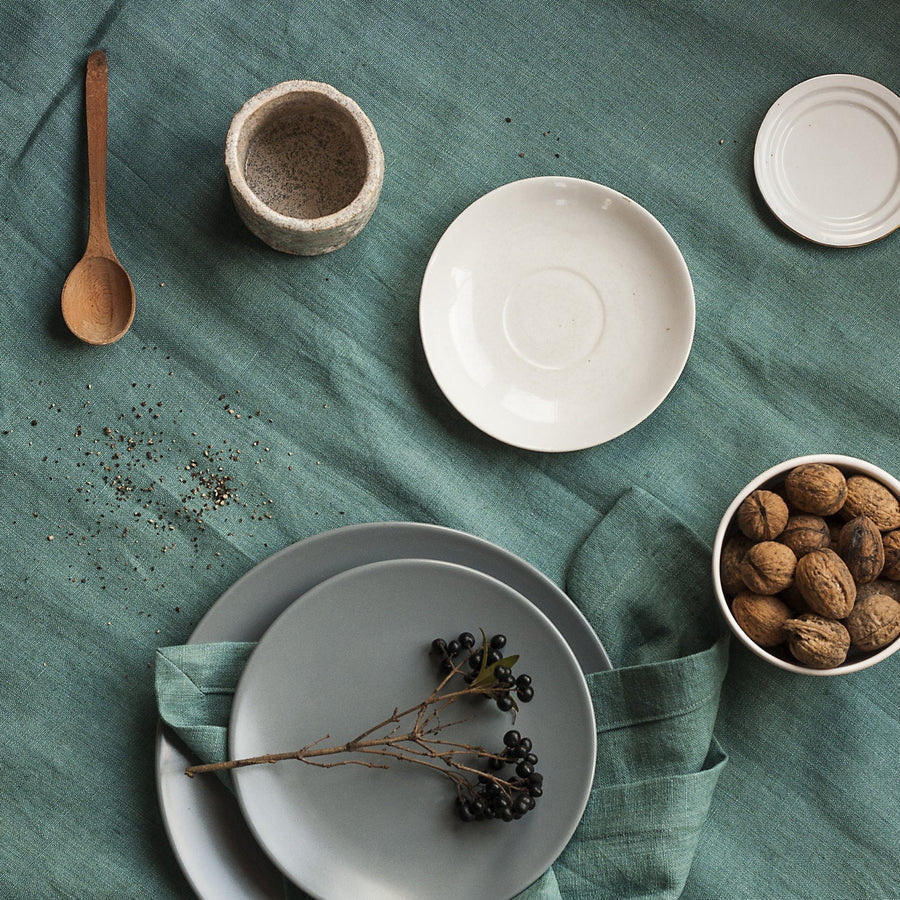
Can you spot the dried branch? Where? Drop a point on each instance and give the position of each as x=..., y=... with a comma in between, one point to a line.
x=485, y=673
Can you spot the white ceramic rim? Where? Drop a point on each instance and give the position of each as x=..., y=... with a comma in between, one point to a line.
x=845, y=462
x=443, y=371
x=374, y=157
x=766, y=161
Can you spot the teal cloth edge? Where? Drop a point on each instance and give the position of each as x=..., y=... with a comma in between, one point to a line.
x=690, y=682
x=194, y=685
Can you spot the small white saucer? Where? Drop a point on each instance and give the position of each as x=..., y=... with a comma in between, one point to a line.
x=556, y=313
x=827, y=160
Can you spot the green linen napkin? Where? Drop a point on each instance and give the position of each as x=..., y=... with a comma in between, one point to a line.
x=642, y=580
x=195, y=686
x=639, y=579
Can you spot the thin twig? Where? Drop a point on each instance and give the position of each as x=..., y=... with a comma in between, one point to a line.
x=420, y=745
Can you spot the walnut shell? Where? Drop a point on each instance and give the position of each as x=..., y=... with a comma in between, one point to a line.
x=733, y=551
x=762, y=516
x=868, y=497
x=826, y=584
x=879, y=586
x=861, y=547
x=794, y=599
x=817, y=488
x=768, y=567
x=874, y=622
x=817, y=642
x=804, y=533
x=891, y=544
x=835, y=524
x=762, y=618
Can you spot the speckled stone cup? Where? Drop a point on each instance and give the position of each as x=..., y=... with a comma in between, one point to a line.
x=305, y=167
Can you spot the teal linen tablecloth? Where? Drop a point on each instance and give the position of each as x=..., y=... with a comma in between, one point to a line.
x=295, y=393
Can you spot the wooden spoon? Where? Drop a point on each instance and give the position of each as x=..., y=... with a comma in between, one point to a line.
x=98, y=296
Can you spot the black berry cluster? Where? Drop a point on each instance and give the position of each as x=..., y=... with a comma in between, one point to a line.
x=497, y=796
x=487, y=665
x=511, y=785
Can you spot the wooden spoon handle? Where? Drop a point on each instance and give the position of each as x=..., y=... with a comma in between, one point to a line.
x=95, y=93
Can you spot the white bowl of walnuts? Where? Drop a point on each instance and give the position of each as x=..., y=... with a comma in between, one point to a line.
x=806, y=565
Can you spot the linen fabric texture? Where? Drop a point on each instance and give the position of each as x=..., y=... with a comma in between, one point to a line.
x=280, y=397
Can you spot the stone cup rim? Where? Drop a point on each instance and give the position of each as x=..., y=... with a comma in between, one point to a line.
x=364, y=198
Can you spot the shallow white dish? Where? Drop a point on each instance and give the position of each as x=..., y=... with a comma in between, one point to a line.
x=208, y=834
x=556, y=313
x=827, y=160
x=340, y=659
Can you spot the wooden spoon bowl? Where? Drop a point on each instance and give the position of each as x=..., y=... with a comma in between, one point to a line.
x=98, y=300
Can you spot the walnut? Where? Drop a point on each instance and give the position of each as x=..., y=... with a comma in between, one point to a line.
x=860, y=546
x=826, y=584
x=891, y=544
x=768, y=567
x=762, y=618
x=794, y=599
x=816, y=488
x=817, y=642
x=868, y=497
x=733, y=551
x=879, y=586
x=835, y=524
x=762, y=516
x=805, y=532
x=874, y=622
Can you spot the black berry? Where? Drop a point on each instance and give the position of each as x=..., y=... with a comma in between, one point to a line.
x=464, y=811
x=520, y=804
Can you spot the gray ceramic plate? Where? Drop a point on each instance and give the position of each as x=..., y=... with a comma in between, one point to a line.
x=339, y=660
x=212, y=843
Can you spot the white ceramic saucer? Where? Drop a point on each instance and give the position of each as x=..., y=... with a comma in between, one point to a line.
x=556, y=313
x=827, y=160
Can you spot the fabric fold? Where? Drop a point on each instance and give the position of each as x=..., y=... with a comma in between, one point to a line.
x=639, y=578
x=195, y=685
x=643, y=579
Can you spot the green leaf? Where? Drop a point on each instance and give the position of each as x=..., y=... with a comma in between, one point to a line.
x=508, y=661
x=484, y=654
x=486, y=675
